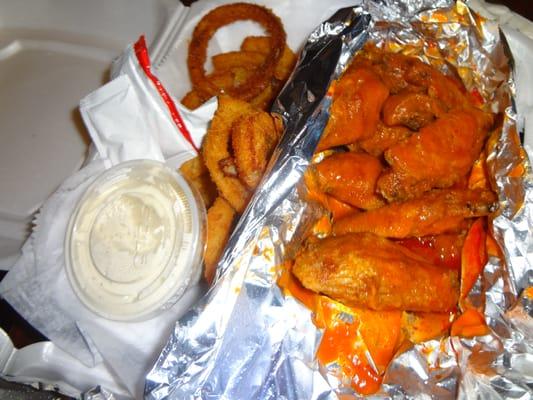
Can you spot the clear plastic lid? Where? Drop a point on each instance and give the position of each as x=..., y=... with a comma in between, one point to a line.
x=135, y=241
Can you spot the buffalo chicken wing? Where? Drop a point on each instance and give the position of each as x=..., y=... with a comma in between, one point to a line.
x=364, y=270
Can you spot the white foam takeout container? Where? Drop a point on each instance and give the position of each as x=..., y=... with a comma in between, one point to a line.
x=52, y=53
x=92, y=37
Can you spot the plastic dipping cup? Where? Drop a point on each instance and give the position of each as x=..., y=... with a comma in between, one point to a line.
x=135, y=241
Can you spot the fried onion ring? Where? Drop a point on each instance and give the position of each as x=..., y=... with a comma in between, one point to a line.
x=197, y=175
x=205, y=30
x=232, y=59
x=220, y=218
x=192, y=100
x=216, y=151
x=262, y=45
x=223, y=79
x=253, y=138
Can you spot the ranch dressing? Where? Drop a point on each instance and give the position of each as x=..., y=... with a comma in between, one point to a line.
x=135, y=241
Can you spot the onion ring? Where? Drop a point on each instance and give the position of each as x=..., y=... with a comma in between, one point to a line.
x=196, y=173
x=223, y=79
x=215, y=151
x=232, y=59
x=225, y=15
x=220, y=217
x=253, y=138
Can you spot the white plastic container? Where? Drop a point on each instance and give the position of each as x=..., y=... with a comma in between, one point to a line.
x=135, y=241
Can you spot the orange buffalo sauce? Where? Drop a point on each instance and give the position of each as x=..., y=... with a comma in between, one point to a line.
x=361, y=343
x=337, y=208
x=294, y=288
x=479, y=176
x=420, y=327
x=442, y=250
x=473, y=257
x=469, y=324
x=343, y=345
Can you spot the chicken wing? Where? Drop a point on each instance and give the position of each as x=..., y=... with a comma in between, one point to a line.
x=437, y=156
x=412, y=110
x=357, y=100
x=392, y=69
x=350, y=177
x=449, y=91
x=434, y=213
x=364, y=270
x=383, y=138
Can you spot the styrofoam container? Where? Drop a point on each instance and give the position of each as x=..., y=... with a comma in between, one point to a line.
x=135, y=241
x=52, y=53
x=52, y=366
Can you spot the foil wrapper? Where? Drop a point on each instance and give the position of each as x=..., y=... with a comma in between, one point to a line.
x=246, y=340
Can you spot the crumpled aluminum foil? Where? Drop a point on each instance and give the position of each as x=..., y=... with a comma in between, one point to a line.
x=245, y=340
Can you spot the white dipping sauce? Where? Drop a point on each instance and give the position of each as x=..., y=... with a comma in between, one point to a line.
x=135, y=241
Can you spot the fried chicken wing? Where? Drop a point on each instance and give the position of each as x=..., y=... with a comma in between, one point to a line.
x=437, y=156
x=421, y=327
x=364, y=270
x=392, y=69
x=432, y=214
x=448, y=91
x=383, y=138
x=402, y=73
x=357, y=100
x=412, y=110
x=350, y=177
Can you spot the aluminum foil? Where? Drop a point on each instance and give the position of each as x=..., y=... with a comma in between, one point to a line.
x=245, y=340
